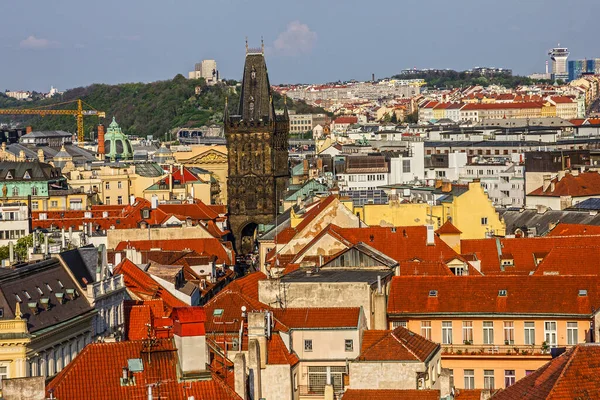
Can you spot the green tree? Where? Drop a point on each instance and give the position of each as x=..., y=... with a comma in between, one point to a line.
x=412, y=118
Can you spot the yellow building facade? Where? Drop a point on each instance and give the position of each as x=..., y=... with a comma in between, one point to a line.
x=14, y=339
x=210, y=158
x=471, y=212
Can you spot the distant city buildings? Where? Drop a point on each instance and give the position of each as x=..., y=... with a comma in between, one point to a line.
x=559, y=56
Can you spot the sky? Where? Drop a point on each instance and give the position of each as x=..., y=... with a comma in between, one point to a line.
x=68, y=43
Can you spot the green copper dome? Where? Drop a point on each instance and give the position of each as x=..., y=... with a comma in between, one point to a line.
x=116, y=144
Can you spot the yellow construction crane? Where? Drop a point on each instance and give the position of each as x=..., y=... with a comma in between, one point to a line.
x=79, y=113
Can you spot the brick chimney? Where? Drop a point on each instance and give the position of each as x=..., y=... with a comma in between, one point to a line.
x=190, y=338
x=101, y=140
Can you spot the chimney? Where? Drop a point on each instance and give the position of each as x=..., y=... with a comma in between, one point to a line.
x=257, y=330
x=438, y=183
x=379, y=308
x=547, y=180
x=101, y=141
x=117, y=258
x=305, y=166
x=446, y=187
x=320, y=164
x=190, y=338
x=154, y=202
x=254, y=361
x=239, y=370
x=28, y=129
x=430, y=236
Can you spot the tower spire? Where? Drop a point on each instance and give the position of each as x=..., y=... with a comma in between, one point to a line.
x=246, y=44
x=262, y=45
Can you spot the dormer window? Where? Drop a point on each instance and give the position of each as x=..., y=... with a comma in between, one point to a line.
x=9, y=175
x=27, y=175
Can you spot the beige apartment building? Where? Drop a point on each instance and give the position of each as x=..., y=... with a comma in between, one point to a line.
x=495, y=330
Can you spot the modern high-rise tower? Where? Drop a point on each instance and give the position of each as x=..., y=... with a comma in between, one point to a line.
x=257, y=148
x=559, y=56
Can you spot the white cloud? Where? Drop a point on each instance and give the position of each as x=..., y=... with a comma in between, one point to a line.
x=296, y=39
x=35, y=43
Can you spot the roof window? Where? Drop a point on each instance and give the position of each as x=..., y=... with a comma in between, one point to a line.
x=502, y=293
x=433, y=293
x=582, y=292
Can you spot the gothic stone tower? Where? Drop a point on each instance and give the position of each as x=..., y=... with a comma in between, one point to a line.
x=257, y=148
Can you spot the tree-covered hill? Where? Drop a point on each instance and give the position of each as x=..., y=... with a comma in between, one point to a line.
x=143, y=108
x=457, y=79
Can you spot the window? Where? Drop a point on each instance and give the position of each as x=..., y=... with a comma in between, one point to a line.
x=488, y=379
x=572, y=333
x=349, y=345
x=107, y=202
x=509, y=332
x=509, y=377
x=15, y=191
x=308, y=345
x=396, y=324
x=451, y=374
x=488, y=332
x=107, y=186
x=530, y=333
x=550, y=333
x=406, y=166
x=34, y=191
x=54, y=203
x=467, y=332
x=469, y=379
x=119, y=200
x=34, y=205
x=3, y=372
x=119, y=185
x=426, y=329
x=484, y=221
x=446, y=332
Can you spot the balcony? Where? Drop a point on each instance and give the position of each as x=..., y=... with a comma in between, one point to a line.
x=107, y=286
x=490, y=350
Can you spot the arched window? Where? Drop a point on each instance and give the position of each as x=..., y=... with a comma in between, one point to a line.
x=34, y=191
x=15, y=191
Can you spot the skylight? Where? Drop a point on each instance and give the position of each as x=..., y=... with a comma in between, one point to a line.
x=433, y=293
x=502, y=292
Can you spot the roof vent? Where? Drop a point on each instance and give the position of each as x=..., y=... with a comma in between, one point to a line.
x=582, y=292
x=433, y=293
x=502, y=293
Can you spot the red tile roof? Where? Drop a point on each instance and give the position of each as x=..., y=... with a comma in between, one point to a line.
x=397, y=345
x=481, y=294
x=573, y=375
x=571, y=261
x=202, y=247
x=95, y=374
x=525, y=251
x=584, y=184
x=448, y=229
x=137, y=319
x=502, y=106
x=346, y=120
x=470, y=394
x=561, y=99
x=574, y=230
x=144, y=287
x=389, y=394
x=307, y=318
x=278, y=354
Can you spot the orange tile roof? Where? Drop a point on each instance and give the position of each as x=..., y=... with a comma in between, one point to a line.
x=524, y=251
x=137, y=319
x=81, y=379
x=480, y=294
x=572, y=375
x=307, y=318
x=584, y=184
x=502, y=106
x=574, y=230
x=144, y=287
x=389, y=394
x=561, y=99
x=448, y=229
x=278, y=354
x=397, y=345
x=203, y=247
x=584, y=260
x=471, y=394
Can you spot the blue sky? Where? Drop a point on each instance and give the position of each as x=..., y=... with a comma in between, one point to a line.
x=69, y=43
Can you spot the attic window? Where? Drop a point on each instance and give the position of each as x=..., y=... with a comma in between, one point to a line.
x=582, y=292
x=502, y=293
x=433, y=293
x=26, y=175
x=9, y=175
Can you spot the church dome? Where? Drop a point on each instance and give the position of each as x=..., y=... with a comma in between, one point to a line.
x=163, y=155
x=116, y=144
